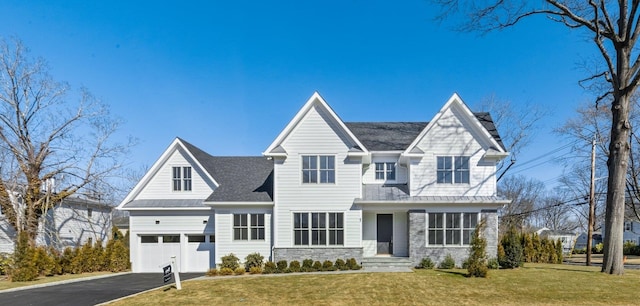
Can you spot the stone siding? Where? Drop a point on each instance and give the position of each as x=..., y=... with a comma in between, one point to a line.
x=419, y=250
x=319, y=254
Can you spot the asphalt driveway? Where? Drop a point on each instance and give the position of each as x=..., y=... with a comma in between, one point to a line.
x=89, y=292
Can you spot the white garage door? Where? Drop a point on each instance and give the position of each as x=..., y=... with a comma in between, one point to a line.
x=156, y=250
x=200, y=253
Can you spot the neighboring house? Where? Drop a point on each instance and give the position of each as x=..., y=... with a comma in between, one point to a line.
x=568, y=238
x=581, y=241
x=324, y=189
x=72, y=223
x=631, y=233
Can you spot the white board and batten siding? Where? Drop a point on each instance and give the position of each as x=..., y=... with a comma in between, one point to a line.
x=146, y=257
x=317, y=134
x=451, y=135
x=160, y=186
x=241, y=248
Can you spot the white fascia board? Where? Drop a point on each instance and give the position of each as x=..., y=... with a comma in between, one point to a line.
x=147, y=176
x=315, y=98
x=157, y=165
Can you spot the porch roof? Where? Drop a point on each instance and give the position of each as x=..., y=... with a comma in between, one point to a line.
x=399, y=193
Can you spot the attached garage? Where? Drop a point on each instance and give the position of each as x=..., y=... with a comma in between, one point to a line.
x=157, y=235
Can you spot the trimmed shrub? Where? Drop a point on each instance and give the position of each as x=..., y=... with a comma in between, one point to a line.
x=255, y=270
x=225, y=271
x=212, y=272
x=281, y=266
x=352, y=264
x=426, y=263
x=510, y=256
x=493, y=263
x=239, y=271
x=307, y=265
x=317, y=266
x=447, y=263
x=230, y=261
x=341, y=265
x=294, y=266
x=598, y=248
x=327, y=265
x=269, y=267
x=66, y=259
x=253, y=260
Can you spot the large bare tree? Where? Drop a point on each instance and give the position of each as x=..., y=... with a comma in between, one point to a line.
x=614, y=29
x=54, y=142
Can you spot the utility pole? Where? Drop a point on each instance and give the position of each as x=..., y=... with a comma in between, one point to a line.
x=592, y=201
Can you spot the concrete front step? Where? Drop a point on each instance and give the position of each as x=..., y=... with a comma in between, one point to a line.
x=386, y=262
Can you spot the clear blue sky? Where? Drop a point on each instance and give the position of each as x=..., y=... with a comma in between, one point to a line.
x=227, y=76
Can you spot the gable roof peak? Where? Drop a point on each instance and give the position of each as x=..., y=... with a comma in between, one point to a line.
x=315, y=99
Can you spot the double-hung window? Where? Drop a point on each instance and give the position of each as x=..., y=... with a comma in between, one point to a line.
x=451, y=228
x=243, y=230
x=316, y=231
x=318, y=169
x=386, y=171
x=453, y=169
x=181, y=178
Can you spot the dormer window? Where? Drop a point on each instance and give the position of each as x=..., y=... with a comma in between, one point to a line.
x=386, y=171
x=453, y=169
x=318, y=169
x=181, y=178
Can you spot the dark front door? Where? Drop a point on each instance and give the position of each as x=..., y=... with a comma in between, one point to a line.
x=385, y=233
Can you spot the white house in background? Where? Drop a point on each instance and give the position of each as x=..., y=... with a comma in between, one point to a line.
x=568, y=238
x=324, y=189
x=72, y=223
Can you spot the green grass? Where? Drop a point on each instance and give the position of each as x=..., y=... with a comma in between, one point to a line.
x=6, y=284
x=536, y=284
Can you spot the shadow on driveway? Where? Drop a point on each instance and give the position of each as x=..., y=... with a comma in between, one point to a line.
x=89, y=292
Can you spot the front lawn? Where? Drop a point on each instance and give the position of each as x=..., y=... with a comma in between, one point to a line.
x=535, y=284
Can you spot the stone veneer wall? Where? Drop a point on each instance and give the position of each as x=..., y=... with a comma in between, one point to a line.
x=417, y=239
x=320, y=254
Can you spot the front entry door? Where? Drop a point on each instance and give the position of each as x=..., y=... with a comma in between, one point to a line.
x=385, y=233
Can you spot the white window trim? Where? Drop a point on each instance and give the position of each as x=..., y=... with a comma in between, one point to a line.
x=181, y=179
x=318, y=169
x=249, y=227
x=385, y=171
x=310, y=229
x=453, y=171
x=444, y=229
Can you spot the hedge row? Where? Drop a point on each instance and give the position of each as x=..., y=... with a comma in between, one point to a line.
x=515, y=249
x=29, y=262
x=254, y=264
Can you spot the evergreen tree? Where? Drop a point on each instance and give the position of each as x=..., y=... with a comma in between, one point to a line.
x=477, y=262
x=513, y=257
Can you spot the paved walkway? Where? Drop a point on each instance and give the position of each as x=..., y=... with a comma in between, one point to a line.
x=89, y=291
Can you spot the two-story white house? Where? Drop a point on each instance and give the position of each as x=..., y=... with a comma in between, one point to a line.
x=324, y=189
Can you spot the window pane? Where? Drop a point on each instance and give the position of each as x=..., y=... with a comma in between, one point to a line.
x=453, y=220
x=171, y=239
x=462, y=169
x=318, y=237
x=391, y=171
x=470, y=220
x=257, y=220
x=435, y=237
x=435, y=220
x=176, y=179
x=195, y=238
x=149, y=239
x=313, y=176
x=212, y=238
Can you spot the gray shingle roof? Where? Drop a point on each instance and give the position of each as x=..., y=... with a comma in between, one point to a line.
x=241, y=178
x=397, y=136
x=386, y=136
